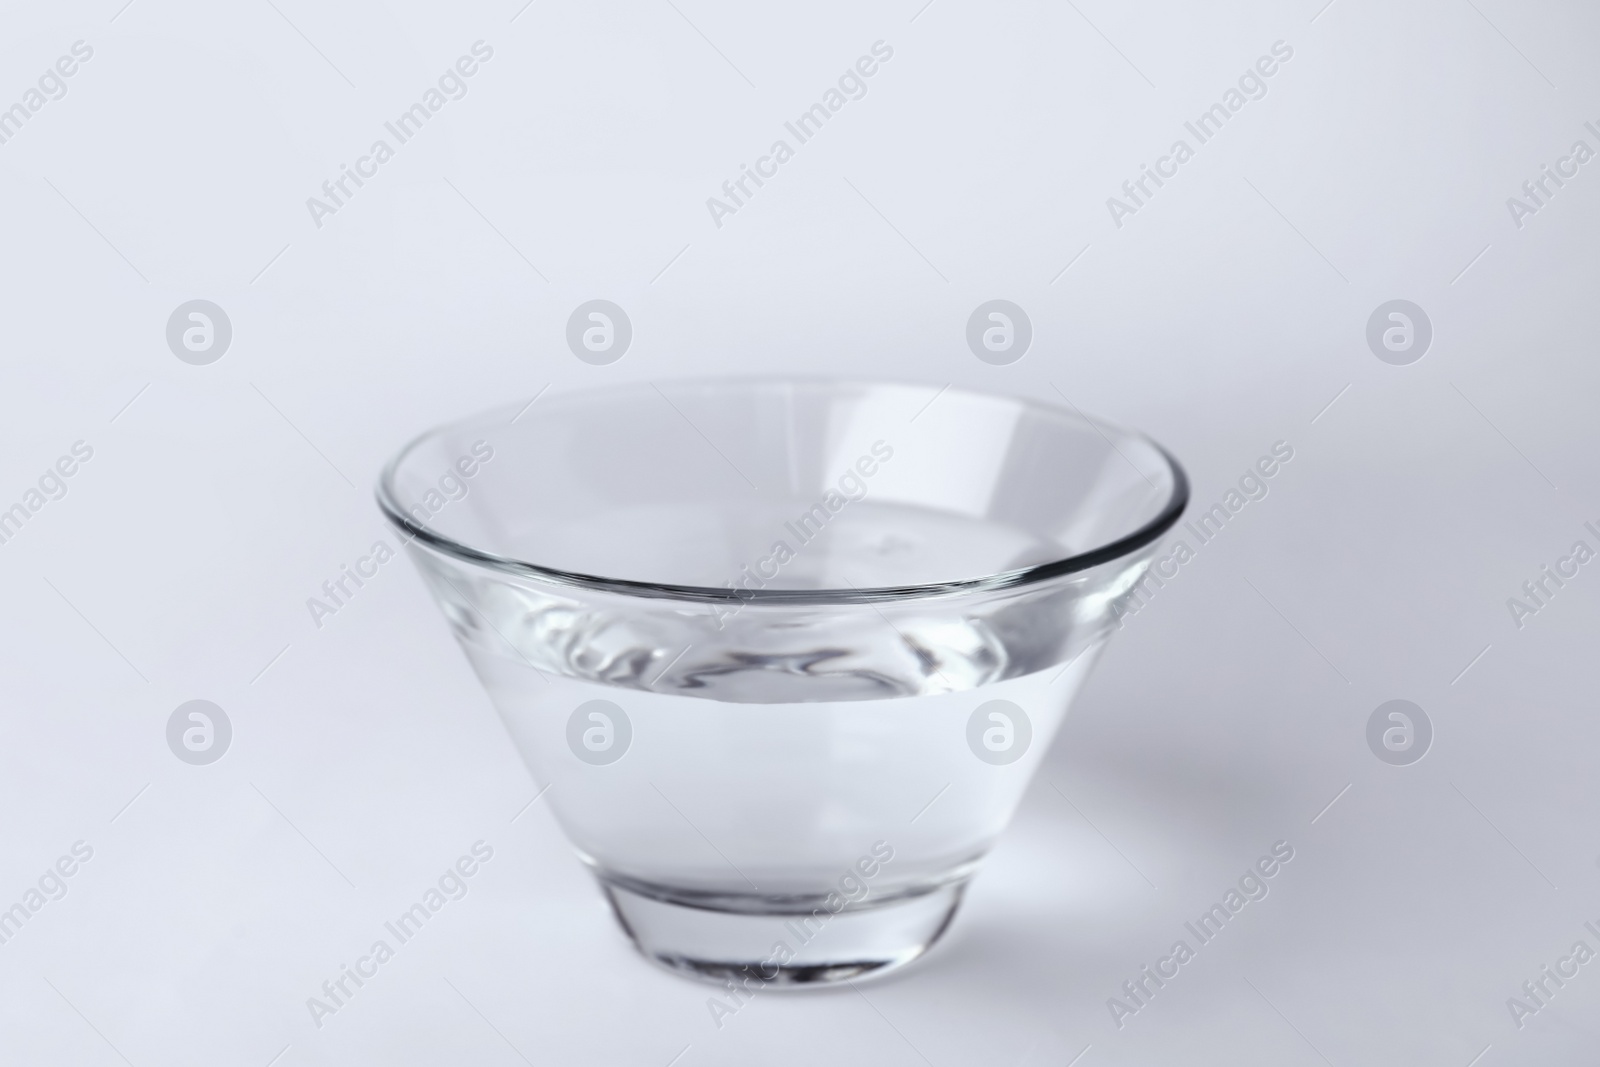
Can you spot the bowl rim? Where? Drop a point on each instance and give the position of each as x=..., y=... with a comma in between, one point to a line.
x=1152, y=530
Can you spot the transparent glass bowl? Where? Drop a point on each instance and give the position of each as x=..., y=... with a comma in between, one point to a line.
x=782, y=654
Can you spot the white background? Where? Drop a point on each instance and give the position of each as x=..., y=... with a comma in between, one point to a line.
x=1223, y=317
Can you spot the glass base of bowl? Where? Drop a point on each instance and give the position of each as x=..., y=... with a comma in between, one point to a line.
x=751, y=943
